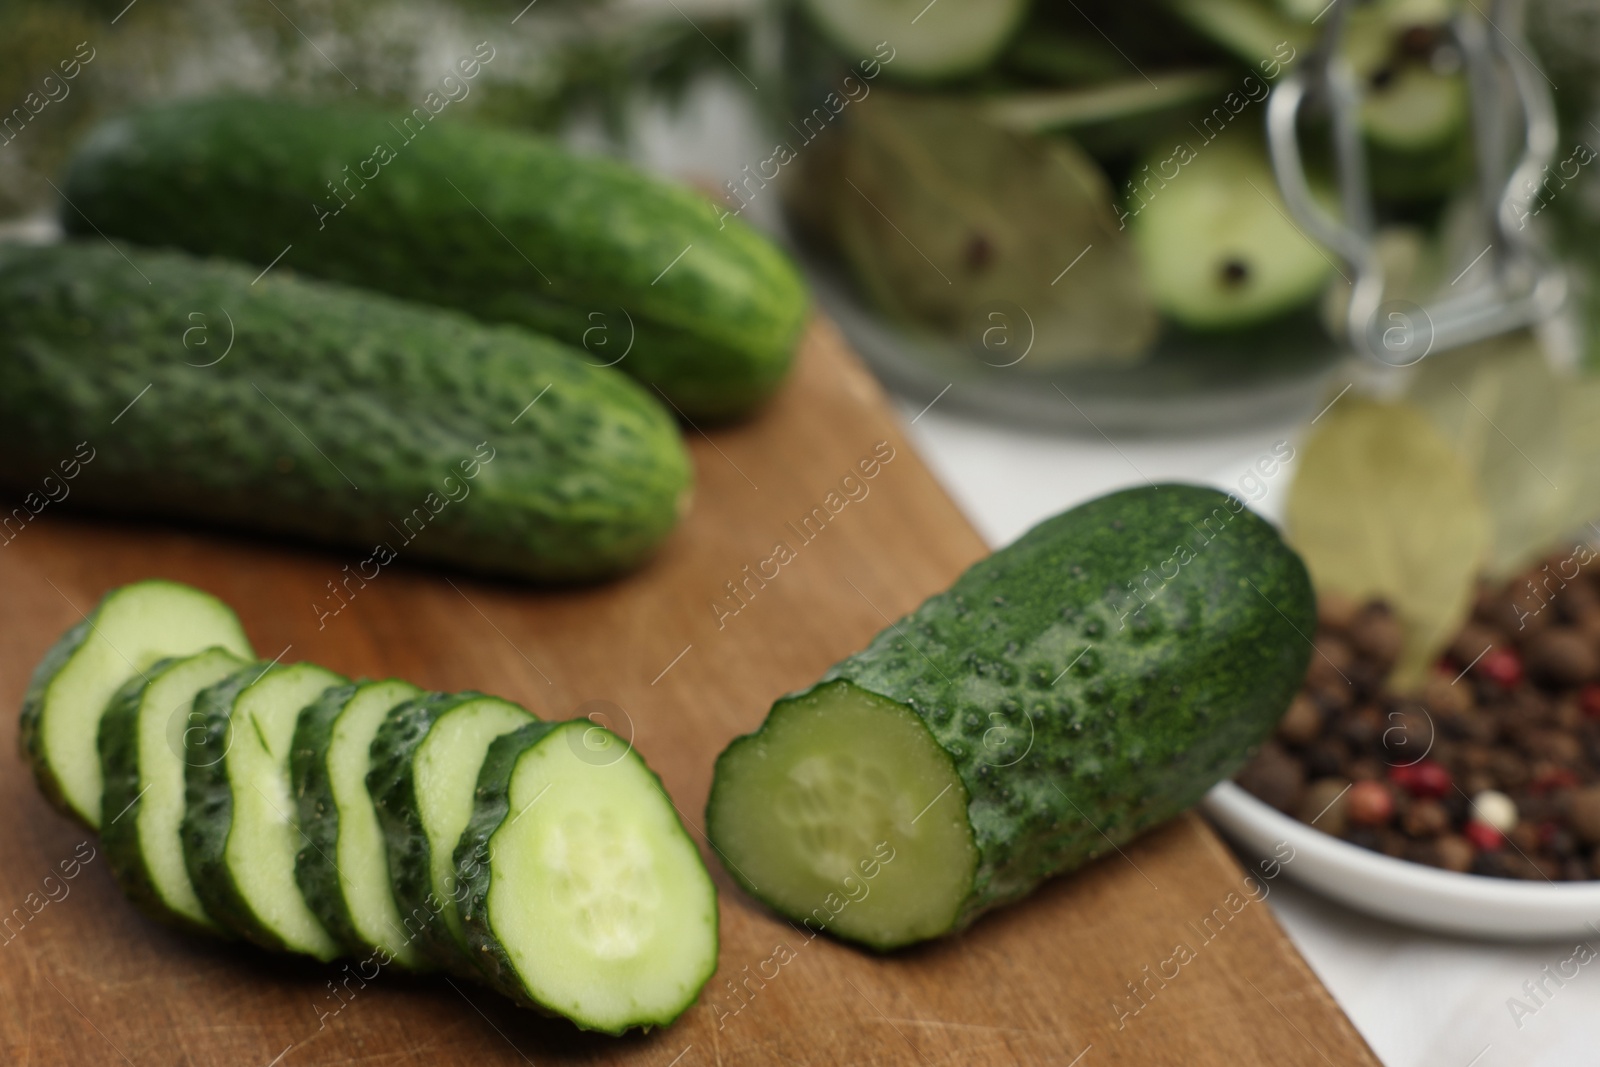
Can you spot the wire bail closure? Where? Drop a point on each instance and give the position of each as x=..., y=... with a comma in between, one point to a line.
x=1525, y=285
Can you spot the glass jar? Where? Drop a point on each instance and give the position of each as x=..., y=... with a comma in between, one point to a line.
x=1070, y=215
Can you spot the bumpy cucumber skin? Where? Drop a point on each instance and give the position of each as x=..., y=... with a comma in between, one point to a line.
x=393, y=788
x=29, y=739
x=314, y=868
x=1169, y=700
x=576, y=236
x=119, y=821
x=325, y=384
x=472, y=854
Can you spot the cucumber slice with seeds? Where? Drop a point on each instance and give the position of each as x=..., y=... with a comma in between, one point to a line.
x=848, y=818
x=1216, y=241
x=584, y=895
x=240, y=836
x=425, y=759
x=141, y=757
x=132, y=628
x=343, y=865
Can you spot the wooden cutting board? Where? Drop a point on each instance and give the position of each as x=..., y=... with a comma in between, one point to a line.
x=1086, y=972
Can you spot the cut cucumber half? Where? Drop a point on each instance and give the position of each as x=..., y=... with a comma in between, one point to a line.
x=837, y=832
x=130, y=629
x=1215, y=239
x=240, y=836
x=141, y=758
x=1043, y=710
x=425, y=760
x=343, y=865
x=927, y=41
x=584, y=895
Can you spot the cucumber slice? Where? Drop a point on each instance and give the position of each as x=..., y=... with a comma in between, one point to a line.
x=425, y=760
x=343, y=867
x=130, y=629
x=927, y=41
x=813, y=821
x=239, y=831
x=584, y=895
x=1216, y=242
x=141, y=757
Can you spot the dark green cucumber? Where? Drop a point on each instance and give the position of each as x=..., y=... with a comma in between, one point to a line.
x=584, y=896
x=337, y=415
x=343, y=867
x=425, y=760
x=1076, y=688
x=496, y=223
x=240, y=835
x=141, y=755
x=131, y=628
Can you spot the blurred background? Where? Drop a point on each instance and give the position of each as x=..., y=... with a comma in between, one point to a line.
x=1067, y=239
x=990, y=203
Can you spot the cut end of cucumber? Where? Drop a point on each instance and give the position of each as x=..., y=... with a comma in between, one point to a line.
x=132, y=628
x=597, y=897
x=843, y=813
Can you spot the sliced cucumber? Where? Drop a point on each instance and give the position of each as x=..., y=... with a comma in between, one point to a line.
x=584, y=895
x=240, y=836
x=1215, y=239
x=817, y=824
x=130, y=629
x=141, y=758
x=927, y=41
x=425, y=759
x=343, y=865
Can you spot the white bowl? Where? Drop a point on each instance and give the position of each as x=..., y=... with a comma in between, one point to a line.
x=1398, y=890
x=1401, y=891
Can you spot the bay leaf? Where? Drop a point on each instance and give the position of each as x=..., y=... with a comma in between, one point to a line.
x=1382, y=506
x=1531, y=436
x=945, y=217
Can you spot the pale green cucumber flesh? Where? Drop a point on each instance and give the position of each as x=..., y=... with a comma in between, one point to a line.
x=1215, y=240
x=925, y=41
x=585, y=895
x=422, y=806
x=844, y=814
x=141, y=748
x=343, y=867
x=446, y=769
x=132, y=628
x=261, y=897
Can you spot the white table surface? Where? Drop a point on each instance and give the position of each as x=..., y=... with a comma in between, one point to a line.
x=1420, y=1000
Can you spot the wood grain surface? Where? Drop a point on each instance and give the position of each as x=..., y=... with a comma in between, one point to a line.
x=85, y=980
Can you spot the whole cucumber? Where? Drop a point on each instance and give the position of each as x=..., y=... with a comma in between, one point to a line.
x=1074, y=689
x=285, y=406
x=503, y=225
